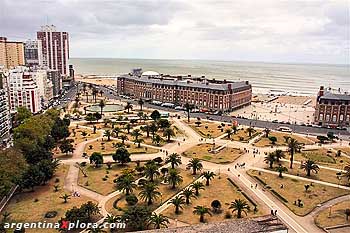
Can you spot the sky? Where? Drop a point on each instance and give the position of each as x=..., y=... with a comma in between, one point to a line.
x=310, y=31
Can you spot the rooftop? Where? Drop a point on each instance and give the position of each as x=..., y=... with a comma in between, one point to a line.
x=330, y=94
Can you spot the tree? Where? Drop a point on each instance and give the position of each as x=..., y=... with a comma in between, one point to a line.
x=138, y=142
x=250, y=130
x=97, y=116
x=123, y=138
x=90, y=118
x=195, y=164
x=22, y=114
x=309, y=166
x=94, y=94
x=136, y=133
x=338, y=154
x=151, y=170
x=270, y=159
x=188, y=194
x=347, y=214
x=116, y=131
x=229, y=133
x=155, y=115
x=149, y=193
x=102, y=104
x=153, y=129
x=198, y=123
x=67, y=146
x=128, y=128
x=101, y=93
x=279, y=154
x=107, y=134
x=331, y=136
x=136, y=217
x=208, y=175
x=174, y=178
x=177, y=201
x=146, y=129
x=239, y=206
x=201, y=211
x=216, y=205
x=174, y=159
x=125, y=183
x=267, y=132
x=128, y=107
x=188, y=107
x=158, y=220
x=273, y=140
x=163, y=123
x=168, y=133
x=347, y=172
x=65, y=197
x=280, y=169
x=157, y=140
x=96, y=158
x=293, y=145
x=234, y=128
x=140, y=102
x=121, y=155
x=322, y=138
x=90, y=209
x=286, y=138
x=197, y=186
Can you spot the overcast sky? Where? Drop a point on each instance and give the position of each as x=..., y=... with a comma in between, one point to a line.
x=256, y=30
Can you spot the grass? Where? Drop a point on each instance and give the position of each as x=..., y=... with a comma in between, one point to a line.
x=208, y=129
x=24, y=207
x=293, y=189
x=107, y=148
x=242, y=135
x=337, y=217
x=201, y=151
x=325, y=175
x=78, y=138
x=324, y=157
x=264, y=141
x=345, y=150
x=95, y=177
x=227, y=193
x=166, y=191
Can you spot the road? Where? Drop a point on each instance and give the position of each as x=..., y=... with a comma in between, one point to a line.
x=343, y=134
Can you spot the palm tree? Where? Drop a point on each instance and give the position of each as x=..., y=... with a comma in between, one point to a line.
x=286, y=138
x=138, y=141
x=174, y=159
x=177, y=201
x=309, y=166
x=229, y=133
x=102, y=104
x=87, y=96
x=188, y=194
x=174, y=178
x=197, y=186
x=94, y=94
x=239, y=206
x=188, y=107
x=107, y=134
x=124, y=138
x=279, y=154
x=128, y=107
x=195, y=164
x=201, y=211
x=65, y=197
x=168, y=132
x=250, y=130
x=126, y=183
x=157, y=140
x=149, y=192
x=293, y=145
x=347, y=172
x=136, y=133
x=270, y=159
x=158, y=221
x=140, y=102
x=151, y=170
x=267, y=132
x=280, y=169
x=208, y=175
x=116, y=131
x=101, y=93
x=153, y=128
x=128, y=127
x=146, y=129
x=234, y=128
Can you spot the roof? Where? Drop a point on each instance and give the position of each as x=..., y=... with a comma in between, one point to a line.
x=334, y=96
x=150, y=73
x=262, y=224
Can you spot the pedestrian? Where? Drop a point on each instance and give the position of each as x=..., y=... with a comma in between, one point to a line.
x=239, y=175
x=271, y=212
x=256, y=185
x=275, y=212
x=251, y=186
x=235, y=166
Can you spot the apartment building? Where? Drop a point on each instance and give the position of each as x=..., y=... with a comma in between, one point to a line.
x=5, y=117
x=33, y=53
x=11, y=53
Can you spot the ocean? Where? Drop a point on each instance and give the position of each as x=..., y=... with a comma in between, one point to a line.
x=298, y=79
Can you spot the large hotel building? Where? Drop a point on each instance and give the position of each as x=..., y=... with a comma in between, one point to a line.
x=11, y=53
x=332, y=108
x=205, y=93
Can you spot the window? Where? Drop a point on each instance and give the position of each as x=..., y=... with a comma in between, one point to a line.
x=327, y=117
x=334, y=118
x=341, y=117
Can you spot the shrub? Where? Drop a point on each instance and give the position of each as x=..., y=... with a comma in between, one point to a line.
x=228, y=215
x=279, y=196
x=131, y=199
x=57, y=180
x=51, y=214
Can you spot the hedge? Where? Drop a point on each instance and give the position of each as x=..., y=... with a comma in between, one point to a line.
x=279, y=196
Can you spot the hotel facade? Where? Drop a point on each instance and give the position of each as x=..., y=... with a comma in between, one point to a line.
x=11, y=53
x=201, y=92
x=332, y=108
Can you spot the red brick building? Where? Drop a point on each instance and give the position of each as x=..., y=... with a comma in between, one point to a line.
x=332, y=108
x=210, y=94
x=55, y=48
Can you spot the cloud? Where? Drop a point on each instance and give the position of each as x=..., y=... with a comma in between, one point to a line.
x=299, y=31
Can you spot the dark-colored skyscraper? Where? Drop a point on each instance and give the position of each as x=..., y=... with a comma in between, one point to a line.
x=55, y=48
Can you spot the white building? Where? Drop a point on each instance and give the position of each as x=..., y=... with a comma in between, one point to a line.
x=33, y=53
x=23, y=90
x=5, y=117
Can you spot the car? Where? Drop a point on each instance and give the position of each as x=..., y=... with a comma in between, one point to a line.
x=275, y=121
x=284, y=129
x=179, y=108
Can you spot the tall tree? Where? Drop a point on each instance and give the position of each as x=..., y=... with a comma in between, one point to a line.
x=149, y=193
x=201, y=211
x=102, y=104
x=128, y=107
x=208, y=175
x=197, y=186
x=107, y=134
x=140, y=102
x=158, y=220
x=188, y=194
x=155, y=115
x=174, y=159
x=177, y=202
x=121, y=155
x=151, y=170
x=293, y=145
x=174, y=178
x=168, y=133
x=188, y=107
x=239, y=206
x=125, y=183
x=96, y=158
x=309, y=166
x=195, y=164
